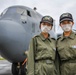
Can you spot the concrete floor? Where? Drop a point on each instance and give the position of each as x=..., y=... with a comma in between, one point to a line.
x=5, y=67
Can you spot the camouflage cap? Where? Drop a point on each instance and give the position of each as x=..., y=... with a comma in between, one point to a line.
x=66, y=16
x=47, y=19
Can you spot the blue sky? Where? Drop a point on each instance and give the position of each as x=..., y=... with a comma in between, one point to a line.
x=53, y=8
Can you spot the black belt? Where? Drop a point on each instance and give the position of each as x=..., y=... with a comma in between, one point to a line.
x=69, y=61
x=48, y=61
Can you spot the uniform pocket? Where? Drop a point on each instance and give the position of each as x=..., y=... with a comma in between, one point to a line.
x=51, y=69
x=48, y=69
x=65, y=53
x=72, y=69
x=40, y=52
x=68, y=69
x=45, y=69
x=72, y=52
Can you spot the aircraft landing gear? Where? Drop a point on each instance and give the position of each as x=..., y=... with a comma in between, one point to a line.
x=18, y=69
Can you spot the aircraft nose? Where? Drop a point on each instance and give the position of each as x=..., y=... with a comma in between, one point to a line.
x=12, y=40
x=11, y=30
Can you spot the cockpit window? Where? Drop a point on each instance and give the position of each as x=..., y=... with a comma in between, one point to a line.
x=4, y=12
x=22, y=11
x=28, y=13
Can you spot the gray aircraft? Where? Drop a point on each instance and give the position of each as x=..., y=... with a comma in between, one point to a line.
x=18, y=24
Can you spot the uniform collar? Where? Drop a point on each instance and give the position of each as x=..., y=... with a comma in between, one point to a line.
x=43, y=38
x=72, y=36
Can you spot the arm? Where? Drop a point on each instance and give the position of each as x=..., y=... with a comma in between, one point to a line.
x=30, y=67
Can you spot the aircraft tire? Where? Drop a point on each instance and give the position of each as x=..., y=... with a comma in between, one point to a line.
x=15, y=70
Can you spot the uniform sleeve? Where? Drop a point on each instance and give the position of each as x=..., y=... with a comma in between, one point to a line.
x=30, y=67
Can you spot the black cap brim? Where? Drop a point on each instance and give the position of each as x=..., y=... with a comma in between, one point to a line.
x=66, y=19
x=47, y=22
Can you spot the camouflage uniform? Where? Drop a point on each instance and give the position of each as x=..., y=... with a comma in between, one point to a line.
x=41, y=56
x=66, y=47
